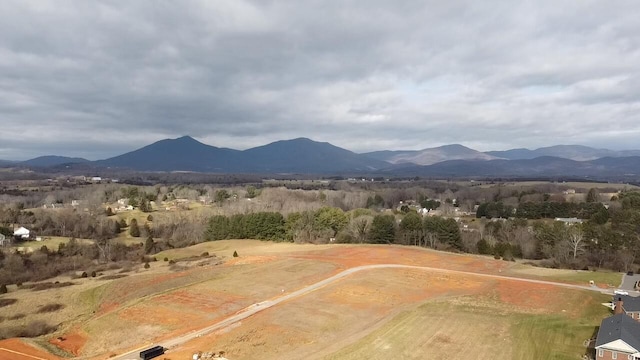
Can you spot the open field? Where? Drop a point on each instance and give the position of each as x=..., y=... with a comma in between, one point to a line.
x=341, y=320
x=51, y=242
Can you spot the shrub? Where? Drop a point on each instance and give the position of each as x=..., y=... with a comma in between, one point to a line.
x=235, y=253
x=205, y=254
x=166, y=259
x=93, y=274
x=7, y=302
x=84, y=274
x=3, y=289
x=50, y=308
x=33, y=329
x=47, y=285
x=171, y=262
x=496, y=256
x=146, y=265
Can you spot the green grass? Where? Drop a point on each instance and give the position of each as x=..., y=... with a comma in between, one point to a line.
x=473, y=328
x=600, y=277
x=92, y=297
x=51, y=242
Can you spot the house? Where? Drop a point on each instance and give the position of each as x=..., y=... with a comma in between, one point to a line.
x=569, y=221
x=618, y=338
x=628, y=305
x=22, y=233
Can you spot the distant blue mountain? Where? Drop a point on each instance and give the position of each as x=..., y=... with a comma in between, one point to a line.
x=52, y=160
x=544, y=166
x=181, y=154
x=573, y=152
x=430, y=155
x=291, y=156
x=305, y=156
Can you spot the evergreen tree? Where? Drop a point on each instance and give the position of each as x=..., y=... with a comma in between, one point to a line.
x=383, y=229
x=149, y=245
x=218, y=228
x=134, y=230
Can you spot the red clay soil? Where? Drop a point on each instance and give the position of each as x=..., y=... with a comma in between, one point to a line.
x=16, y=349
x=71, y=342
x=107, y=307
x=540, y=298
x=188, y=299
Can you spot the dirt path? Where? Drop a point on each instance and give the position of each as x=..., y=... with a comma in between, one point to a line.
x=255, y=308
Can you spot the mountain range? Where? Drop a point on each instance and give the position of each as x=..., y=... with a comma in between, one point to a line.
x=305, y=156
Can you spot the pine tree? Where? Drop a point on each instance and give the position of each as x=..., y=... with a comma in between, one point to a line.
x=134, y=230
x=149, y=245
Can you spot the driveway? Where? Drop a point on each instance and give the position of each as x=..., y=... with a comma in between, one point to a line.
x=629, y=282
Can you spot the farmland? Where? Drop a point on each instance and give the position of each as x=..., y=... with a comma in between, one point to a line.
x=373, y=313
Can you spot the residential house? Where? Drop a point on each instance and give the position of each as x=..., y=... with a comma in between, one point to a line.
x=618, y=338
x=570, y=221
x=628, y=305
x=22, y=233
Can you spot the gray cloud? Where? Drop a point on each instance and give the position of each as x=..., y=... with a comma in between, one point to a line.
x=96, y=79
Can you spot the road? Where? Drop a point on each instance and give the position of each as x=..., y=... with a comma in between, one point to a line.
x=255, y=308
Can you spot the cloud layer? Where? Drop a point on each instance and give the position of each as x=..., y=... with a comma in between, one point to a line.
x=96, y=79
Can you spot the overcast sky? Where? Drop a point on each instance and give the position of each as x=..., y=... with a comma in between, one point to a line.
x=97, y=79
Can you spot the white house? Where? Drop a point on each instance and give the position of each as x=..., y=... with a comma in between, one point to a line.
x=22, y=232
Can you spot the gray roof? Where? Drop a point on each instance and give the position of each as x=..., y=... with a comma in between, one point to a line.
x=619, y=327
x=629, y=303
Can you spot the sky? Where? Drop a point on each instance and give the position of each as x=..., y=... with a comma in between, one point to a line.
x=99, y=78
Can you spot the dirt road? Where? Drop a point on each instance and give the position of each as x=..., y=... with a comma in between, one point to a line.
x=255, y=308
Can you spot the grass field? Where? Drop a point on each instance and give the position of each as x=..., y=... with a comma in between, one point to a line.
x=442, y=329
x=52, y=243
x=377, y=314
x=600, y=277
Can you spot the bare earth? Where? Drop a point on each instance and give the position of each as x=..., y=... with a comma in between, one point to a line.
x=273, y=302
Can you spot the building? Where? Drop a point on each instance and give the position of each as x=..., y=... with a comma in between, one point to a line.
x=22, y=233
x=570, y=221
x=627, y=305
x=618, y=338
